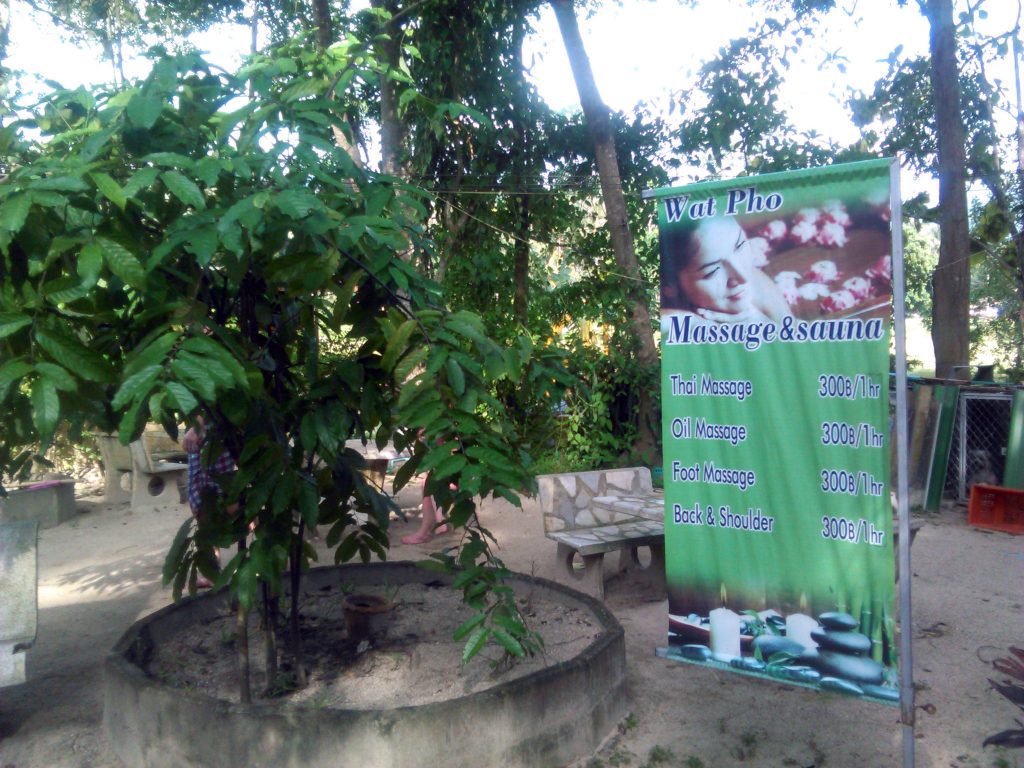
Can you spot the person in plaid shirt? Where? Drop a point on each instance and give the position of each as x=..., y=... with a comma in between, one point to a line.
x=201, y=471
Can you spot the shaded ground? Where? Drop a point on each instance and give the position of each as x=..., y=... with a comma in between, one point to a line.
x=101, y=572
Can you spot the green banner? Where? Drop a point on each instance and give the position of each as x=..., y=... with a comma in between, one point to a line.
x=775, y=327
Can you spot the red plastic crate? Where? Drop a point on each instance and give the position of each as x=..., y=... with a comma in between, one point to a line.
x=995, y=507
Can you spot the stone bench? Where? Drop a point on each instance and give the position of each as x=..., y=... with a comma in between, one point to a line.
x=155, y=464
x=591, y=513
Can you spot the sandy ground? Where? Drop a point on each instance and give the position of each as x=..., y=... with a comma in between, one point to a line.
x=101, y=572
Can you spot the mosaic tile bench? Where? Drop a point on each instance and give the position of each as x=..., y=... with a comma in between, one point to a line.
x=591, y=513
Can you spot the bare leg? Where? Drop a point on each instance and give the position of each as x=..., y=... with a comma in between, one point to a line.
x=430, y=525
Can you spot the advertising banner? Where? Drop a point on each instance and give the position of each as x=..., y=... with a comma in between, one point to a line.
x=775, y=328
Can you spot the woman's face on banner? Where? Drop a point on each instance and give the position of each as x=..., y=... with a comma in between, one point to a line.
x=718, y=274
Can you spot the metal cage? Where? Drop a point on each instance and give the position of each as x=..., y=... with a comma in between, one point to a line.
x=978, y=450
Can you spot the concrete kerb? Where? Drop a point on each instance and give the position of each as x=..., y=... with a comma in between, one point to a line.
x=49, y=503
x=550, y=717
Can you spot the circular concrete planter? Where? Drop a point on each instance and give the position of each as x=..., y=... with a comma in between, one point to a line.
x=547, y=718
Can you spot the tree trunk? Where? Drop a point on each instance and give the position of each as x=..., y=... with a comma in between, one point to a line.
x=521, y=266
x=951, y=305
x=391, y=133
x=242, y=645
x=599, y=124
x=295, y=631
x=270, y=613
x=324, y=24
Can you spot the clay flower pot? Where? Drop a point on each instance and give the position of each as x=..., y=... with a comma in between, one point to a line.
x=366, y=616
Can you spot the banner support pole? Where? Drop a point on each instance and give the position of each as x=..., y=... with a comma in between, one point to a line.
x=907, y=708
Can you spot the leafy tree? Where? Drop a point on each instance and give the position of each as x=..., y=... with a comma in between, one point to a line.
x=904, y=114
x=177, y=249
x=996, y=318
x=732, y=120
x=920, y=254
x=599, y=125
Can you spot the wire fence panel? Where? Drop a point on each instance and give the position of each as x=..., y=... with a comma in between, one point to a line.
x=978, y=450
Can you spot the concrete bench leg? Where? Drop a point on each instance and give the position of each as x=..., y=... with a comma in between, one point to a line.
x=592, y=575
x=657, y=568
x=629, y=560
x=157, y=489
x=114, y=491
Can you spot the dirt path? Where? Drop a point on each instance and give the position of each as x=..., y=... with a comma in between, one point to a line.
x=101, y=572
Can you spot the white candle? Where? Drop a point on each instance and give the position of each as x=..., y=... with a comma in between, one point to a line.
x=798, y=627
x=725, y=634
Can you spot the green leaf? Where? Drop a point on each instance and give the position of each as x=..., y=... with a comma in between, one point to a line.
x=169, y=160
x=466, y=324
x=172, y=563
x=136, y=386
x=510, y=623
x=141, y=179
x=468, y=576
x=405, y=472
x=450, y=465
x=228, y=571
x=12, y=322
x=489, y=455
x=513, y=364
x=123, y=263
x=60, y=184
x=296, y=203
x=284, y=491
x=184, y=189
x=414, y=390
x=410, y=362
x=144, y=111
x=475, y=644
x=203, y=242
x=49, y=199
x=397, y=344
x=90, y=264
x=307, y=432
x=467, y=626
x=110, y=189
x=456, y=378
x=149, y=353
x=309, y=506
x=185, y=400
x=196, y=376
x=426, y=410
x=302, y=88
x=508, y=642
x=348, y=548
x=438, y=357
x=494, y=366
x=201, y=345
x=61, y=379
x=207, y=170
x=45, y=407
x=10, y=372
x=248, y=584
x=85, y=362
x=14, y=211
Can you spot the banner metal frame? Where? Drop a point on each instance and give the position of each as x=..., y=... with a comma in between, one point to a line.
x=907, y=709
